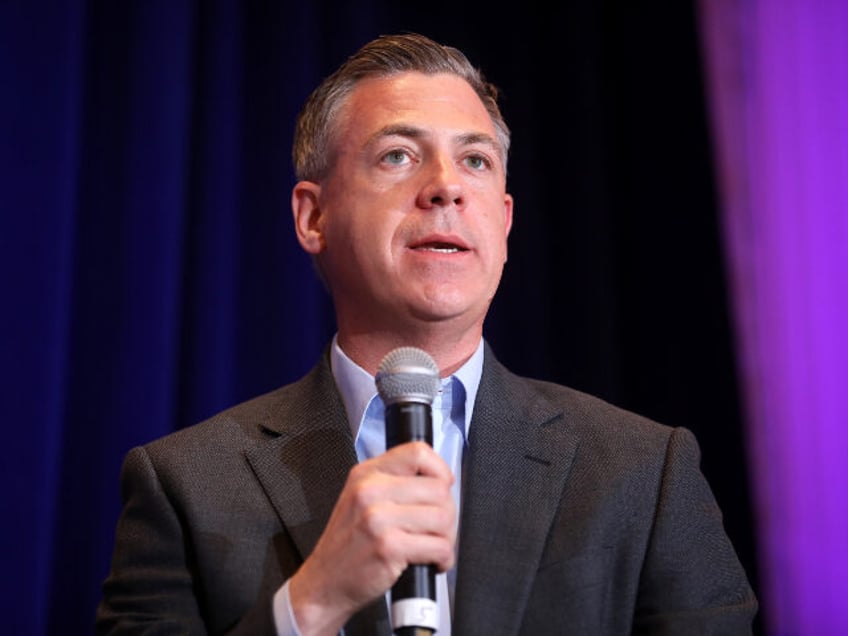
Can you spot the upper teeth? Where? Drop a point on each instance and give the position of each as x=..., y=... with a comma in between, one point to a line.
x=443, y=250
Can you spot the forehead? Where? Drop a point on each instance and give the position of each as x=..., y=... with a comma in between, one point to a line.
x=430, y=102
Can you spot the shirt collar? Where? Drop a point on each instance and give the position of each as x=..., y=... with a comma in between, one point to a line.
x=357, y=386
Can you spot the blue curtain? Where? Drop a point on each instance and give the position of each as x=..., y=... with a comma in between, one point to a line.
x=150, y=275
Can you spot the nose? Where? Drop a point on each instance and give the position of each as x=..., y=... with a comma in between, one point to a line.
x=442, y=186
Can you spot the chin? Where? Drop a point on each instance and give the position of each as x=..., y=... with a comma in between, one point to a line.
x=446, y=312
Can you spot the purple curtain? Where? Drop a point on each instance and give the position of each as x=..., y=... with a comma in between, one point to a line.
x=778, y=80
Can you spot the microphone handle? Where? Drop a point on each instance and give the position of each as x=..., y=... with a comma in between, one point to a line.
x=414, y=609
x=408, y=422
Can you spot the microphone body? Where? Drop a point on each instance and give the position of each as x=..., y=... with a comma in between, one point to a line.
x=407, y=381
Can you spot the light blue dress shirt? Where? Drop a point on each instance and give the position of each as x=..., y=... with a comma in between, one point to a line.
x=452, y=411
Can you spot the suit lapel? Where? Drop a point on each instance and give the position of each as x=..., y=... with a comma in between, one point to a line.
x=304, y=464
x=303, y=467
x=519, y=455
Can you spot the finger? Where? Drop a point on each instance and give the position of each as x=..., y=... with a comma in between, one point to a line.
x=438, y=519
x=413, y=458
x=413, y=548
x=387, y=524
x=375, y=488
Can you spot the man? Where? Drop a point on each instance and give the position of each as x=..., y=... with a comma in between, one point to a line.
x=554, y=513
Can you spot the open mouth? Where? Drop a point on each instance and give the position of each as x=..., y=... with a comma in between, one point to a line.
x=440, y=248
x=440, y=245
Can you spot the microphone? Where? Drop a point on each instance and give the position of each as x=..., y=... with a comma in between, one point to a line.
x=407, y=381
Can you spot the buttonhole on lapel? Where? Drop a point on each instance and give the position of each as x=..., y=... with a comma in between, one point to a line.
x=538, y=460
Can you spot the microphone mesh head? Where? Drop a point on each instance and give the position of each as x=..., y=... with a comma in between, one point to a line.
x=407, y=374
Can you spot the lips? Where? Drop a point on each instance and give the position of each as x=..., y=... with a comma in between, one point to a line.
x=440, y=245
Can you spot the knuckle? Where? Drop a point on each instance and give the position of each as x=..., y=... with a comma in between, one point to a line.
x=384, y=548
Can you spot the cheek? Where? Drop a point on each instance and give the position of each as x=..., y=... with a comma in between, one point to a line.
x=360, y=246
x=497, y=239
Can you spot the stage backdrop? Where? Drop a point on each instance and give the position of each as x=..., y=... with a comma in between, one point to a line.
x=150, y=275
x=778, y=84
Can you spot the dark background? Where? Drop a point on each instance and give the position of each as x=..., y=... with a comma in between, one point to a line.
x=151, y=276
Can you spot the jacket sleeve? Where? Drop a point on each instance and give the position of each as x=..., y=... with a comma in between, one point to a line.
x=692, y=581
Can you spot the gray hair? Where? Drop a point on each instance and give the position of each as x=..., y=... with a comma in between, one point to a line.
x=382, y=57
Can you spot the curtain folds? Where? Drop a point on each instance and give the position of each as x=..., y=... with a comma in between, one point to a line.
x=779, y=92
x=150, y=275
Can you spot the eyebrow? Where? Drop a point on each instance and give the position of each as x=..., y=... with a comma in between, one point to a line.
x=414, y=132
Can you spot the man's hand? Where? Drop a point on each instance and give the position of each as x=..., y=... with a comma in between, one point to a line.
x=395, y=510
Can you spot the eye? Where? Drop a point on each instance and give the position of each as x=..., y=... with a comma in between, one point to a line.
x=396, y=157
x=478, y=162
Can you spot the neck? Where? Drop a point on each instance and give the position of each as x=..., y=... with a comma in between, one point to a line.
x=450, y=353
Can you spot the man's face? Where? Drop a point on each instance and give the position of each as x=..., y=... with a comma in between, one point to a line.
x=411, y=222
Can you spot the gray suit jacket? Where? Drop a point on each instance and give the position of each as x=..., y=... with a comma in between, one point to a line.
x=577, y=518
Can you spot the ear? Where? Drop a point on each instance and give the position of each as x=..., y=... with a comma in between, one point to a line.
x=308, y=219
x=508, y=203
